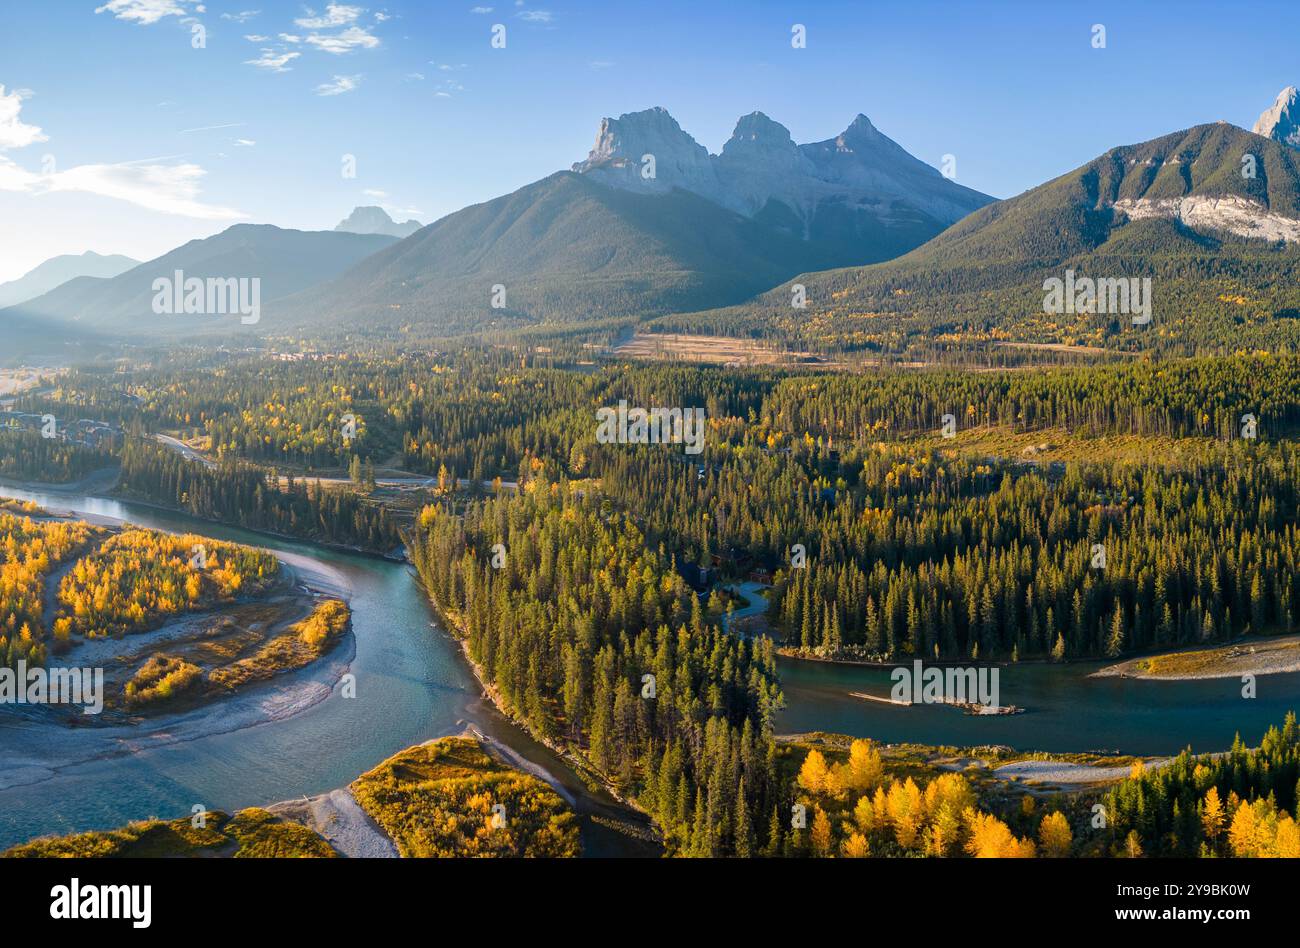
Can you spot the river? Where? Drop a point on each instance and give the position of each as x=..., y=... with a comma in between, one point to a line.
x=412, y=685
x=1065, y=709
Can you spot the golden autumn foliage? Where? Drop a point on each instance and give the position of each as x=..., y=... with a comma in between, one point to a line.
x=1261, y=830
x=1054, y=835
x=160, y=678
x=990, y=838
x=1212, y=815
x=139, y=578
x=251, y=833
x=438, y=799
x=29, y=550
x=901, y=816
x=862, y=771
x=301, y=645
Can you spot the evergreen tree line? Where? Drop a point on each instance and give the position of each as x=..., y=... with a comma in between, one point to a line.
x=590, y=638
x=913, y=551
x=248, y=496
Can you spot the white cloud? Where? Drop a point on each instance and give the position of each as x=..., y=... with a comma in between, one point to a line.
x=244, y=143
x=241, y=17
x=14, y=133
x=480, y=9
x=536, y=16
x=336, y=14
x=414, y=76
x=354, y=37
x=210, y=128
x=372, y=192
x=340, y=85
x=167, y=189
x=145, y=12
x=256, y=38
x=273, y=60
x=291, y=38
x=14, y=178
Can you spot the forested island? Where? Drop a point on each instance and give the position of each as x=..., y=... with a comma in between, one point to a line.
x=170, y=620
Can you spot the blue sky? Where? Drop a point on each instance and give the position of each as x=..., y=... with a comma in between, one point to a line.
x=118, y=135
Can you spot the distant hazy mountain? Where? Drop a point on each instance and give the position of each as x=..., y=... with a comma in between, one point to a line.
x=59, y=270
x=375, y=220
x=609, y=240
x=859, y=191
x=285, y=261
x=1281, y=120
x=1210, y=214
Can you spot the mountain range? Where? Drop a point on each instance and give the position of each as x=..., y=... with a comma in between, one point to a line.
x=608, y=239
x=1210, y=214
x=593, y=243
x=285, y=261
x=860, y=190
x=59, y=270
x=885, y=247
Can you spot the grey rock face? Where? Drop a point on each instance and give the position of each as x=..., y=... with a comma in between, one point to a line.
x=619, y=157
x=1281, y=121
x=375, y=220
x=761, y=167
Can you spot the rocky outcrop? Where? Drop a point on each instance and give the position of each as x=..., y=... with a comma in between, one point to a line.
x=1281, y=121
x=1235, y=215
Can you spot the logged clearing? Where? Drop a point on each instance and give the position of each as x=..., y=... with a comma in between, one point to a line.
x=716, y=349
x=1047, y=445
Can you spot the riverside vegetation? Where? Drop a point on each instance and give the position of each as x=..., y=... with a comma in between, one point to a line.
x=571, y=593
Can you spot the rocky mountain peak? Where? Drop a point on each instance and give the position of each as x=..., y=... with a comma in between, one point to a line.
x=757, y=132
x=761, y=170
x=1281, y=121
x=649, y=151
x=375, y=220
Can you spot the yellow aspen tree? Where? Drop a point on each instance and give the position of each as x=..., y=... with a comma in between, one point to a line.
x=1054, y=835
x=856, y=847
x=1212, y=815
x=821, y=833
x=812, y=775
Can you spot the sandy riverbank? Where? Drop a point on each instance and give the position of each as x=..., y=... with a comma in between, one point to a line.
x=1253, y=656
x=339, y=818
